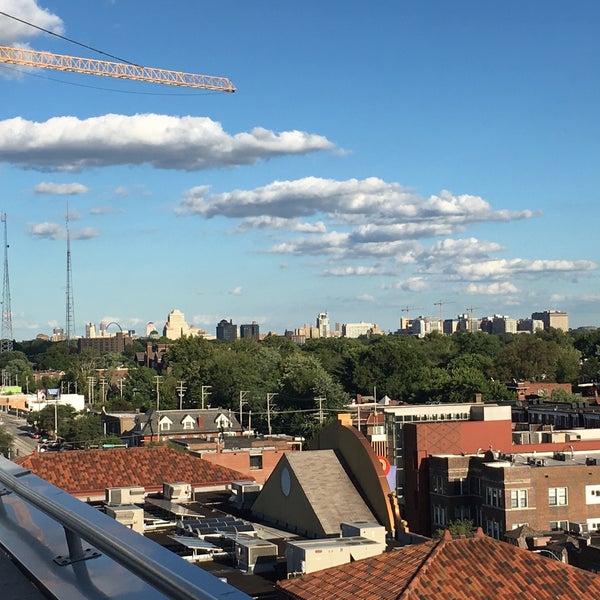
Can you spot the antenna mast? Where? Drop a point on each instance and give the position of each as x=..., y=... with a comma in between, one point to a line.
x=70, y=320
x=6, y=344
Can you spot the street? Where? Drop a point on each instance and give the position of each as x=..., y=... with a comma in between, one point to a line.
x=23, y=444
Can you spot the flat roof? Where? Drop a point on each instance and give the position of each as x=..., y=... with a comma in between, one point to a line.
x=333, y=542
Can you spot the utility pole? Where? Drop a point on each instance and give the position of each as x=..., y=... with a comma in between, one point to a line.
x=180, y=391
x=205, y=393
x=55, y=419
x=103, y=386
x=270, y=396
x=320, y=417
x=157, y=379
x=91, y=384
x=243, y=394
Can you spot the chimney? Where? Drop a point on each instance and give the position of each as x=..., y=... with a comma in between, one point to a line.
x=478, y=399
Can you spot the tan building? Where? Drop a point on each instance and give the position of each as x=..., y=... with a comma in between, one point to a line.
x=175, y=327
x=557, y=319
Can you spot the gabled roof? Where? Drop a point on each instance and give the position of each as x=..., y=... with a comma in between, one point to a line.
x=477, y=567
x=90, y=472
x=205, y=420
x=320, y=495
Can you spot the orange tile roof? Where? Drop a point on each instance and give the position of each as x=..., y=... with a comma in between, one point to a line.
x=90, y=472
x=476, y=567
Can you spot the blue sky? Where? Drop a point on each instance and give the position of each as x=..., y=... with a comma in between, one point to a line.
x=373, y=161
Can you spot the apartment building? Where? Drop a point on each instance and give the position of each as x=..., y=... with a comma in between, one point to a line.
x=500, y=492
x=488, y=416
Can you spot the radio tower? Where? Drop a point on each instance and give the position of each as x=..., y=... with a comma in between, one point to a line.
x=70, y=320
x=6, y=344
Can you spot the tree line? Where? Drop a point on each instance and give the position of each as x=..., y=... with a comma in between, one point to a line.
x=309, y=383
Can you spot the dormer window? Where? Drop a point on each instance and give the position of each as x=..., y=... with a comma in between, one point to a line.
x=188, y=422
x=222, y=422
x=165, y=424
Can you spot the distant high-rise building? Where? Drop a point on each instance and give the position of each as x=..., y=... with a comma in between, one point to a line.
x=355, y=330
x=150, y=327
x=323, y=324
x=250, y=330
x=556, y=319
x=176, y=327
x=226, y=330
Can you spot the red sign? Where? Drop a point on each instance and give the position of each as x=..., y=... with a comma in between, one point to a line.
x=385, y=464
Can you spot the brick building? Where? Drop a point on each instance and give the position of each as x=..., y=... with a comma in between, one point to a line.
x=501, y=492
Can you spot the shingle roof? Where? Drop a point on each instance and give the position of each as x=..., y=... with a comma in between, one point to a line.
x=201, y=420
x=476, y=567
x=328, y=488
x=87, y=472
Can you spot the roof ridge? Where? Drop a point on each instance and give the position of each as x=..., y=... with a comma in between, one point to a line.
x=413, y=580
x=434, y=552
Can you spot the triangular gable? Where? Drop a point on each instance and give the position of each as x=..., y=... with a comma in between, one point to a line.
x=188, y=422
x=222, y=421
x=309, y=492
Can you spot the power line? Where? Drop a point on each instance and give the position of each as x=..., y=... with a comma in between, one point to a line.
x=67, y=39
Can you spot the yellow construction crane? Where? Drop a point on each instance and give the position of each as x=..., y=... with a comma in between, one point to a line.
x=90, y=66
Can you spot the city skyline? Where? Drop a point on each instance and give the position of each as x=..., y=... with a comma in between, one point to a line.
x=371, y=162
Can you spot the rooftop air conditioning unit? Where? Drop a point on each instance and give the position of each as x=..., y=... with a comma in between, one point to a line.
x=178, y=491
x=590, y=462
x=540, y=462
x=580, y=528
x=560, y=456
x=124, y=495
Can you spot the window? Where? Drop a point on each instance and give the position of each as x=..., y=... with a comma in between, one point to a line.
x=492, y=529
x=518, y=499
x=188, y=423
x=256, y=461
x=557, y=496
x=493, y=497
x=462, y=513
x=438, y=484
x=440, y=515
x=592, y=494
x=555, y=525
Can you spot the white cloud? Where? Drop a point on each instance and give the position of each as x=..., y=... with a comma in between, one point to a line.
x=54, y=231
x=105, y=210
x=360, y=271
x=412, y=284
x=504, y=269
x=60, y=189
x=16, y=33
x=85, y=233
x=236, y=291
x=266, y=222
x=166, y=142
x=382, y=225
x=497, y=288
x=365, y=298
x=388, y=205
x=46, y=230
